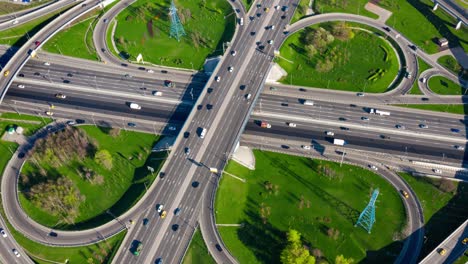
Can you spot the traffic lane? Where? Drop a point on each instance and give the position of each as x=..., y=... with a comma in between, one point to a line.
x=400, y=115
x=319, y=139
x=115, y=83
x=115, y=107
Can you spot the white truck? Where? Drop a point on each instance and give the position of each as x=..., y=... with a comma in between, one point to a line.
x=135, y=106
x=378, y=112
x=339, y=142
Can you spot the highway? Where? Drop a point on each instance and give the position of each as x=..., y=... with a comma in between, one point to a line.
x=453, y=246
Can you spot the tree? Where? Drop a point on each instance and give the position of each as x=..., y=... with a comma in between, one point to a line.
x=295, y=252
x=342, y=260
x=104, y=158
x=342, y=31
x=310, y=50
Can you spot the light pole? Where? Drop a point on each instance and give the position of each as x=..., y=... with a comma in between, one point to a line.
x=192, y=64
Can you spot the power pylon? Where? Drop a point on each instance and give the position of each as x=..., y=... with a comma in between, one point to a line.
x=177, y=30
x=367, y=217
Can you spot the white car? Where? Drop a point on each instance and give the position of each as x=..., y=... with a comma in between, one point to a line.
x=17, y=254
x=218, y=78
x=15, y=22
x=233, y=53
x=423, y=126
x=306, y=147
x=230, y=69
x=459, y=147
x=21, y=86
x=329, y=133
x=149, y=71
x=373, y=167
x=292, y=124
x=71, y=123
x=157, y=93
x=270, y=42
x=277, y=7
x=4, y=234
x=46, y=63
x=437, y=171
x=360, y=94
x=160, y=208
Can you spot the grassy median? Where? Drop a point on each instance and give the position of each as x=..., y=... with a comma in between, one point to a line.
x=319, y=199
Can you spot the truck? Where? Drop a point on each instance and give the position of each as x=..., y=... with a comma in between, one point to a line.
x=378, y=112
x=339, y=142
x=265, y=124
x=135, y=106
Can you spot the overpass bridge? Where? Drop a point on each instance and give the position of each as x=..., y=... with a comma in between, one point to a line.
x=453, y=9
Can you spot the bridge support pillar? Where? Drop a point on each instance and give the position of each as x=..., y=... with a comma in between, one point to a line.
x=435, y=6
x=457, y=27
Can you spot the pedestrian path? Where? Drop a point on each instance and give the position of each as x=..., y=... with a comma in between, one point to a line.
x=244, y=156
x=383, y=14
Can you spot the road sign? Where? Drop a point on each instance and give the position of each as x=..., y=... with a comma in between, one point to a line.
x=139, y=58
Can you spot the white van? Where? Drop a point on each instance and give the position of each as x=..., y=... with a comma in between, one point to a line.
x=203, y=133
x=135, y=106
x=308, y=102
x=241, y=21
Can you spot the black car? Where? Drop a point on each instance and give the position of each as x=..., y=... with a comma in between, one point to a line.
x=219, y=248
x=195, y=184
x=186, y=134
x=20, y=75
x=209, y=90
x=209, y=106
x=145, y=221
x=284, y=104
x=53, y=234
x=199, y=107
x=252, y=33
x=80, y=121
x=131, y=124
x=175, y=227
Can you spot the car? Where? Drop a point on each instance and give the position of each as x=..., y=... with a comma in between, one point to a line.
x=398, y=126
x=424, y=99
x=70, y=74
x=455, y=130
x=442, y=251
x=292, y=124
x=17, y=254
x=60, y=96
x=187, y=151
x=219, y=248
x=149, y=71
x=53, y=234
x=21, y=86
x=386, y=29
x=272, y=27
x=277, y=7
x=209, y=106
x=329, y=133
x=405, y=194
x=131, y=124
x=105, y=20
x=413, y=47
x=37, y=43
x=157, y=93
x=342, y=119
x=465, y=241
x=230, y=69
x=459, y=147
x=6, y=73
x=186, y=134
x=145, y=221
x=103, y=49
x=137, y=249
x=273, y=89
x=163, y=214
x=47, y=63
x=218, y=78
x=15, y=22
x=83, y=5
x=159, y=261
x=172, y=128
x=360, y=94
x=20, y=75
x=248, y=96
x=285, y=146
x=209, y=90
x=365, y=118
x=284, y=104
x=4, y=234
x=131, y=222
x=195, y=184
x=384, y=137
x=49, y=113
x=71, y=122
x=373, y=167
x=177, y=211
x=261, y=47
x=270, y=42
x=266, y=9
x=175, y=227
x=409, y=75
x=423, y=126
x=437, y=171
x=164, y=71
x=233, y=53
x=168, y=83
x=423, y=79
x=128, y=75
x=80, y=121
x=306, y=147
x=160, y=208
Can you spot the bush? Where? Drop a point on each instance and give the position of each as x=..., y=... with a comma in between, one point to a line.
x=104, y=158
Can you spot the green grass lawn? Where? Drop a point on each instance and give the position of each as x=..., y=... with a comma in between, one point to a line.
x=144, y=28
x=410, y=16
x=77, y=40
x=422, y=66
x=452, y=108
x=444, y=86
x=17, y=36
x=353, y=7
x=452, y=65
x=443, y=212
x=197, y=252
x=247, y=4
x=357, y=60
x=12, y=119
x=123, y=185
x=269, y=204
x=301, y=10
x=8, y=7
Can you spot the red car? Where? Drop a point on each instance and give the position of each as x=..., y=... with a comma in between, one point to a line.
x=37, y=43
